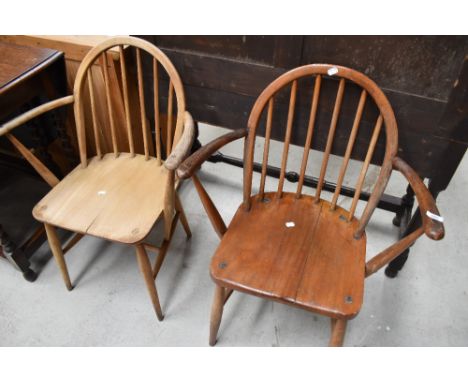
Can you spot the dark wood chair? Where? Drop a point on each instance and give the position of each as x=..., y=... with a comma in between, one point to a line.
x=120, y=195
x=300, y=249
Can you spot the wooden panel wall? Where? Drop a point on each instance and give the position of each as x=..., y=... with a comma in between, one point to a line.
x=223, y=75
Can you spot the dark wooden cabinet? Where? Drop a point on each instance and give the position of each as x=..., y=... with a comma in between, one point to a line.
x=28, y=76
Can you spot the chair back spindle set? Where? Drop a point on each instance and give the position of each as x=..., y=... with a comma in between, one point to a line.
x=291, y=79
x=278, y=245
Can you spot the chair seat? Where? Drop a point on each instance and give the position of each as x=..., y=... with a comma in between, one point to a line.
x=118, y=199
x=315, y=264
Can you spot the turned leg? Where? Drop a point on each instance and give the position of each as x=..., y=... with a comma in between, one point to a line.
x=338, y=332
x=56, y=248
x=16, y=255
x=183, y=218
x=227, y=294
x=169, y=204
x=145, y=268
x=408, y=202
x=397, y=263
x=216, y=313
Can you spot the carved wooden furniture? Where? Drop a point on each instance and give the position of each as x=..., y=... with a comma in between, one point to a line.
x=29, y=76
x=301, y=249
x=117, y=195
x=428, y=102
x=453, y=132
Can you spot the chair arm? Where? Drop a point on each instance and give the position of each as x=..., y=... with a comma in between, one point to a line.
x=33, y=113
x=180, y=152
x=432, y=228
x=194, y=161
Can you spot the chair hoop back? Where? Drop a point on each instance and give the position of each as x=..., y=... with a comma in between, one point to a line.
x=320, y=71
x=101, y=51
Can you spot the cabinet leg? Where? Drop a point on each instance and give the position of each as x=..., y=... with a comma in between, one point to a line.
x=408, y=202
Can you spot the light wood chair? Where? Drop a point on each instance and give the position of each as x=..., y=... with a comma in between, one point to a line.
x=300, y=249
x=118, y=196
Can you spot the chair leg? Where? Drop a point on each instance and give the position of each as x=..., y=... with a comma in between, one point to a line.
x=165, y=246
x=183, y=218
x=169, y=204
x=227, y=294
x=145, y=268
x=168, y=217
x=56, y=248
x=338, y=331
x=216, y=313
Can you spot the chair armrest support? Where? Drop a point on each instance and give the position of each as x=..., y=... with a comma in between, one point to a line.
x=180, y=152
x=33, y=113
x=432, y=228
x=387, y=255
x=194, y=161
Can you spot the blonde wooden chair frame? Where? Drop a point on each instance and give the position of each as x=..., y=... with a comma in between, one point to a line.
x=178, y=144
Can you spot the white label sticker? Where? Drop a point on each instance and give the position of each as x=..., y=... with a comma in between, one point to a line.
x=290, y=224
x=102, y=192
x=435, y=217
x=332, y=71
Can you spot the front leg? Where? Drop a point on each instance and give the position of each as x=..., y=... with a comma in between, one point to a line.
x=145, y=268
x=216, y=312
x=338, y=332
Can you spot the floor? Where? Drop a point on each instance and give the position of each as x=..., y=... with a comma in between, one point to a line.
x=426, y=305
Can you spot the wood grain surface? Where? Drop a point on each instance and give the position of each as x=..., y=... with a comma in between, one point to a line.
x=119, y=199
x=316, y=265
x=16, y=61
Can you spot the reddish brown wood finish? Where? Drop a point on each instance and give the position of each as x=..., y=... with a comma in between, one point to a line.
x=318, y=263
x=349, y=148
x=194, y=161
x=433, y=229
x=345, y=74
x=266, y=148
x=299, y=265
x=287, y=138
x=387, y=255
x=338, y=332
x=310, y=131
x=216, y=313
x=213, y=214
x=331, y=136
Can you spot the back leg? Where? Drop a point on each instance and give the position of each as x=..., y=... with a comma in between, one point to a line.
x=183, y=218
